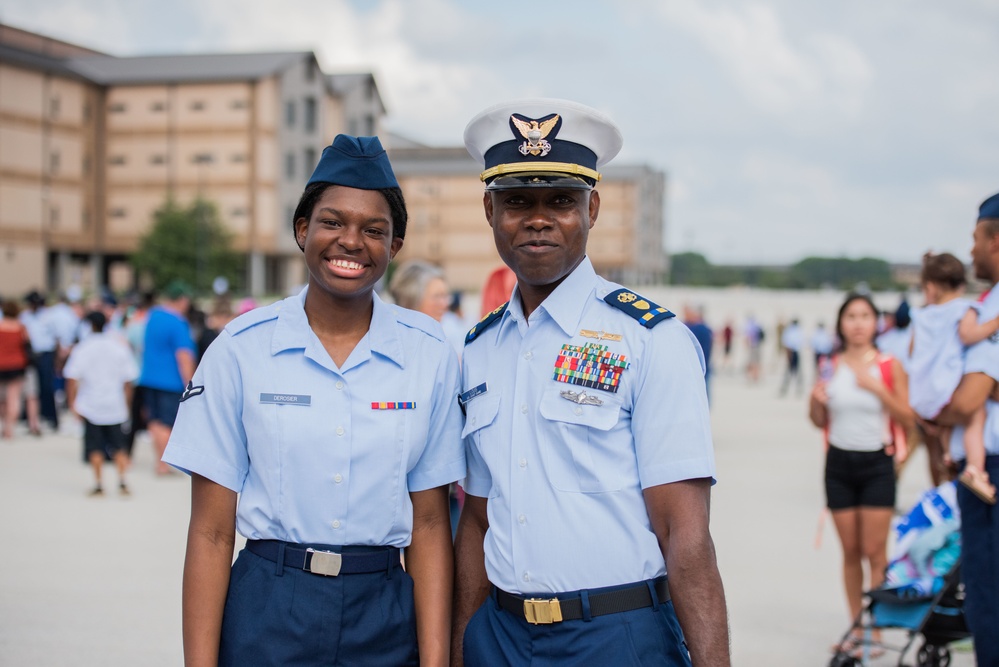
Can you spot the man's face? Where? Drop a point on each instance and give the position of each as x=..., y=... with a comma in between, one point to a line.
x=541, y=232
x=983, y=251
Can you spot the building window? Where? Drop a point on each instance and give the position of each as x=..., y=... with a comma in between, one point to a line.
x=117, y=107
x=86, y=165
x=310, y=70
x=54, y=107
x=158, y=106
x=117, y=213
x=237, y=212
x=289, y=113
x=197, y=105
x=369, y=125
x=310, y=114
x=201, y=158
x=157, y=159
x=239, y=104
x=85, y=218
x=54, y=163
x=310, y=160
x=86, y=111
x=370, y=89
x=289, y=165
x=116, y=159
x=239, y=157
x=54, y=216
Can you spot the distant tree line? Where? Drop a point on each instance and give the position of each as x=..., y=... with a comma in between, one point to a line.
x=691, y=268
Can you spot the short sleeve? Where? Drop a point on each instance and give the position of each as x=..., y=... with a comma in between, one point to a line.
x=181, y=335
x=670, y=419
x=208, y=437
x=443, y=458
x=71, y=371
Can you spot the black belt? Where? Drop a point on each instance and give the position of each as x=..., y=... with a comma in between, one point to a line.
x=569, y=607
x=325, y=562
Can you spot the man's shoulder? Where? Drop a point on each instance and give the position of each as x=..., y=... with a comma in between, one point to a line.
x=644, y=311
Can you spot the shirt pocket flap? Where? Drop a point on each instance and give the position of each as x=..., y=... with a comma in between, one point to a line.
x=480, y=412
x=603, y=417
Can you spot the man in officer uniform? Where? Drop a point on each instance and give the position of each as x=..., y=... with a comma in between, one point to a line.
x=587, y=434
x=980, y=521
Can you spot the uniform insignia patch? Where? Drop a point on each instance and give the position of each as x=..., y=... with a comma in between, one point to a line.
x=591, y=366
x=647, y=313
x=582, y=398
x=599, y=335
x=485, y=322
x=394, y=405
x=192, y=391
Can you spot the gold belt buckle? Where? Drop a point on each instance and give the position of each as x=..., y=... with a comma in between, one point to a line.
x=538, y=611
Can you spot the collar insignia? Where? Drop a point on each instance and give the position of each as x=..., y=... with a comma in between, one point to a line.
x=535, y=132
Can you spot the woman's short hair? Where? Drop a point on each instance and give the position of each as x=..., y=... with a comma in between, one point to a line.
x=409, y=282
x=393, y=196
x=943, y=269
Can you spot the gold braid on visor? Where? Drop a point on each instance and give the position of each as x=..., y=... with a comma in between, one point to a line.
x=539, y=167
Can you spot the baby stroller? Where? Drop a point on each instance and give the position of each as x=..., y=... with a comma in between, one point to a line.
x=922, y=592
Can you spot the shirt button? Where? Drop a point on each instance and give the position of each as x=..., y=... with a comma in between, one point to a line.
x=473, y=421
x=523, y=408
x=527, y=577
x=339, y=429
x=522, y=519
x=528, y=355
x=338, y=478
x=336, y=524
x=523, y=463
x=578, y=411
x=339, y=384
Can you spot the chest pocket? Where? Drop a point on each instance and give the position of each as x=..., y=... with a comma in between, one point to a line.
x=480, y=412
x=587, y=448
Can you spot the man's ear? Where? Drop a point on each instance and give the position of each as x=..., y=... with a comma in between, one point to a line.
x=301, y=231
x=594, y=206
x=487, y=206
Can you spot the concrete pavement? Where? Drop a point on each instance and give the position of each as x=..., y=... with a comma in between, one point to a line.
x=96, y=581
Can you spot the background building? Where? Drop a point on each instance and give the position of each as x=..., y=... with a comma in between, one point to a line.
x=91, y=145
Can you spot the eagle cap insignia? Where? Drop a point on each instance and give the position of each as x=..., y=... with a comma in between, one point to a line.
x=535, y=132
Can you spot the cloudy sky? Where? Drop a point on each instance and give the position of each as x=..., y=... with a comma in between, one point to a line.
x=785, y=128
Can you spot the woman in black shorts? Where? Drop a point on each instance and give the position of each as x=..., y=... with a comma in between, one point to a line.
x=855, y=403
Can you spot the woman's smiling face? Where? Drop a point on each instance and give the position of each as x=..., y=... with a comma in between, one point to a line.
x=348, y=241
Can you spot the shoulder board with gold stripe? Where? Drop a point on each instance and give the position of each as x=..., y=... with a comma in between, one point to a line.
x=484, y=323
x=647, y=313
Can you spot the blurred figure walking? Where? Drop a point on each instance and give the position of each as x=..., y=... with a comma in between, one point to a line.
x=99, y=375
x=15, y=354
x=792, y=339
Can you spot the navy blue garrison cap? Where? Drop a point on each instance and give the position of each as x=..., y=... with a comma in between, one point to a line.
x=989, y=208
x=355, y=162
x=541, y=143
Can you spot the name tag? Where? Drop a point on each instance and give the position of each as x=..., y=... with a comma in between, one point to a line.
x=466, y=396
x=286, y=399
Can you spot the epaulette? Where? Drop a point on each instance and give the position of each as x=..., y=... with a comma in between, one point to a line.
x=253, y=318
x=485, y=322
x=647, y=313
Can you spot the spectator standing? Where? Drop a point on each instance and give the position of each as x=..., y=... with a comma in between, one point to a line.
x=979, y=520
x=897, y=339
x=44, y=345
x=693, y=317
x=135, y=334
x=167, y=365
x=754, y=342
x=15, y=354
x=728, y=333
x=822, y=344
x=792, y=338
x=99, y=375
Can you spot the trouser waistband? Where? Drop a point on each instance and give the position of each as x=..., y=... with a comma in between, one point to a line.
x=325, y=561
x=580, y=604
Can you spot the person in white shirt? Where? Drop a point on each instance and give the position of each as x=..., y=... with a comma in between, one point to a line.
x=791, y=340
x=99, y=375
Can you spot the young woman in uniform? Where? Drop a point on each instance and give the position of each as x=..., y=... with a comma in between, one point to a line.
x=333, y=417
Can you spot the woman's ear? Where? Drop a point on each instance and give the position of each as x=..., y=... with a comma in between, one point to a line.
x=301, y=231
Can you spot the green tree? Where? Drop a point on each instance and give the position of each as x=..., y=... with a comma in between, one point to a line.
x=190, y=244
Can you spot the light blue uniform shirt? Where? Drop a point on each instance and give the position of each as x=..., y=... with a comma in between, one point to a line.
x=982, y=357
x=298, y=438
x=41, y=329
x=564, y=481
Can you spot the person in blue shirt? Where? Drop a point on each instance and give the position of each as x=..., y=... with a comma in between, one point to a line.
x=333, y=417
x=587, y=434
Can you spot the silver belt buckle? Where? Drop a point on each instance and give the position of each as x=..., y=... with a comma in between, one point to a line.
x=326, y=563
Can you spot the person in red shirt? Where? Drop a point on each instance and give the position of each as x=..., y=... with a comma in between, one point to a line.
x=15, y=353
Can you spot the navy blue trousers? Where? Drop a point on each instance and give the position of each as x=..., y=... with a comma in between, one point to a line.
x=650, y=636
x=285, y=616
x=45, y=365
x=980, y=568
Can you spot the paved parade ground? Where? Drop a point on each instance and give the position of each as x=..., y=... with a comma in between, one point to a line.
x=96, y=581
